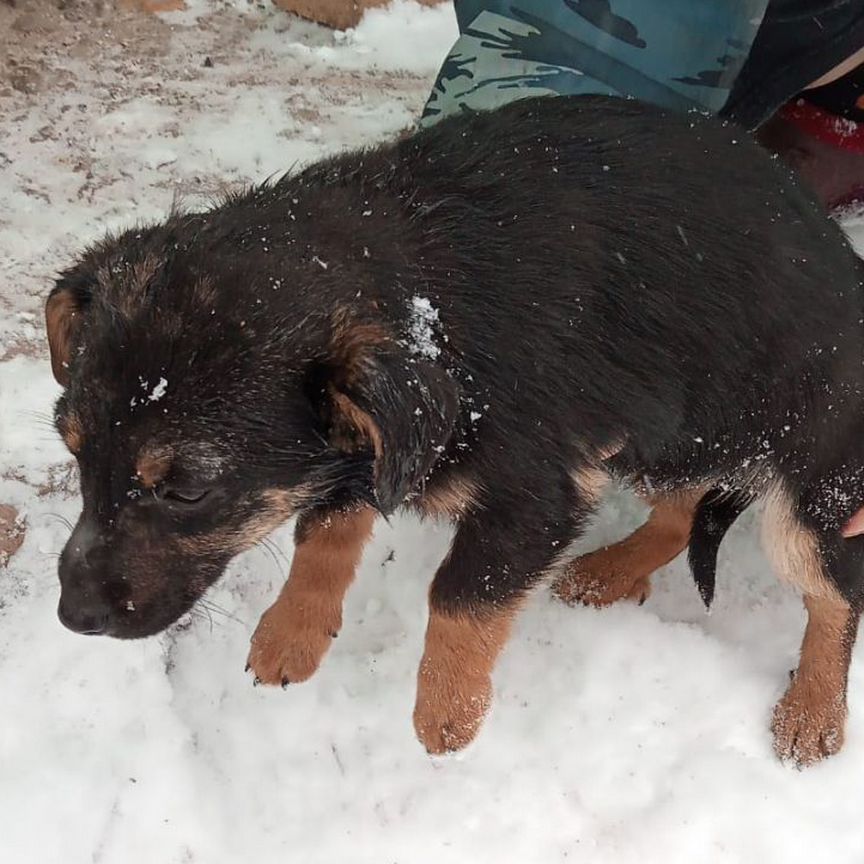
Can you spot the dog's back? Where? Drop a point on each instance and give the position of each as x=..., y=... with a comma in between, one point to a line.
x=661, y=280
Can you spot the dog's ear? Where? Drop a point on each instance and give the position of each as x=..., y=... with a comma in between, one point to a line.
x=400, y=406
x=62, y=317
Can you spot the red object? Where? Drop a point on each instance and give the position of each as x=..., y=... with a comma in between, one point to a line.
x=839, y=132
x=855, y=525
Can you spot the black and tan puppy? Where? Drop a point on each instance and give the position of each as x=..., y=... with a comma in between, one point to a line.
x=481, y=322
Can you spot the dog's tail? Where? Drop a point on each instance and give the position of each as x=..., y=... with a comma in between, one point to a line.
x=714, y=516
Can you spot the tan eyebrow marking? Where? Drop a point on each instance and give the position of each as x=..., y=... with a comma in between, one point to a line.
x=153, y=465
x=72, y=432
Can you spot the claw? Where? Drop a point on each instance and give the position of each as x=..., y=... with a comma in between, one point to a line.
x=248, y=667
x=256, y=681
x=285, y=683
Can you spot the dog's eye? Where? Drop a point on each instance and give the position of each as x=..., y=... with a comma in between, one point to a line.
x=182, y=495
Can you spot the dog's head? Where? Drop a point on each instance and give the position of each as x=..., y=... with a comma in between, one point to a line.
x=206, y=403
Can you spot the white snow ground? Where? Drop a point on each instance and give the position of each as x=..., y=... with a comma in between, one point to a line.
x=629, y=735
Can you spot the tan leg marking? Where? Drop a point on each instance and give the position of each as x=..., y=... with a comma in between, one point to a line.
x=623, y=570
x=792, y=548
x=454, y=682
x=296, y=631
x=809, y=721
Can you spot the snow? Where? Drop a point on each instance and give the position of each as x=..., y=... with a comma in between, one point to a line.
x=158, y=391
x=628, y=735
x=423, y=320
x=396, y=39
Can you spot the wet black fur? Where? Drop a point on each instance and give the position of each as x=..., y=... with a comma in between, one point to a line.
x=603, y=274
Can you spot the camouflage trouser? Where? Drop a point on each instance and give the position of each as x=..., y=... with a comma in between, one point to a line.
x=680, y=54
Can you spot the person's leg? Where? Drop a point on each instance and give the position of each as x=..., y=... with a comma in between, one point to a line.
x=678, y=54
x=799, y=43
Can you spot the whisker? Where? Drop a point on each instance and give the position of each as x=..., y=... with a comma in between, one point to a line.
x=46, y=423
x=44, y=416
x=62, y=519
x=274, y=545
x=262, y=545
x=210, y=606
x=198, y=615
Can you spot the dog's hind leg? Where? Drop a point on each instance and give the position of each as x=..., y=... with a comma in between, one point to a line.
x=623, y=570
x=295, y=632
x=809, y=721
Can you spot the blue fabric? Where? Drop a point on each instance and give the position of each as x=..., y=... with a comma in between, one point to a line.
x=679, y=54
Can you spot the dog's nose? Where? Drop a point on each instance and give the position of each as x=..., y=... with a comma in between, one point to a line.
x=82, y=607
x=87, y=617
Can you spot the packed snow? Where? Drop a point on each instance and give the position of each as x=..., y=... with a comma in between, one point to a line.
x=423, y=321
x=624, y=736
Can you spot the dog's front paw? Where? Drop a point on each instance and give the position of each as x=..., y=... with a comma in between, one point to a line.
x=449, y=712
x=292, y=638
x=808, y=725
x=597, y=580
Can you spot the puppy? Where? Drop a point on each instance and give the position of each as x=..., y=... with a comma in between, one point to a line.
x=481, y=323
